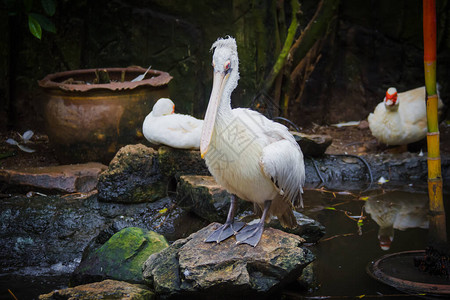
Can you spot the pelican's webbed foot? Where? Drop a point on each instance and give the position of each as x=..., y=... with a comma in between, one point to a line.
x=224, y=232
x=229, y=228
x=251, y=234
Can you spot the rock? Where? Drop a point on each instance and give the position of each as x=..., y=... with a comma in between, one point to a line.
x=176, y=162
x=312, y=144
x=120, y=258
x=226, y=270
x=307, y=280
x=65, y=178
x=309, y=229
x=203, y=196
x=338, y=168
x=132, y=177
x=53, y=232
x=107, y=289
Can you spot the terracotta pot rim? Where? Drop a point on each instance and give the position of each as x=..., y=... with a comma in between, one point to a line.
x=159, y=78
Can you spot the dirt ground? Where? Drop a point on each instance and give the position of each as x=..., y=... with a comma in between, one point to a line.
x=346, y=140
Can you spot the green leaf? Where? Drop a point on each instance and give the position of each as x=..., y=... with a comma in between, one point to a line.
x=34, y=26
x=45, y=22
x=28, y=4
x=49, y=7
x=330, y=208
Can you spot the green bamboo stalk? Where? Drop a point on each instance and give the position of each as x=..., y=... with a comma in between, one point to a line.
x=438, y=234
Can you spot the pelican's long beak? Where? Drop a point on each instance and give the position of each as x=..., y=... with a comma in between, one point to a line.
x=211, y=112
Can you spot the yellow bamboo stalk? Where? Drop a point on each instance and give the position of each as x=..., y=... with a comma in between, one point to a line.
x=438, y=234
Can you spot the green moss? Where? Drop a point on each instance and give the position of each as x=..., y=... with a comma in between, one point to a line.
x=149, y=193
x=123, y=255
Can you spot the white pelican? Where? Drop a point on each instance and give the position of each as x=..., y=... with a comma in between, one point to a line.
x=400, y=119
x=163, y=126
x=249, y=155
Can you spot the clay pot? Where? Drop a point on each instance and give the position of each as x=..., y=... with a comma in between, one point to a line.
x=91, y=122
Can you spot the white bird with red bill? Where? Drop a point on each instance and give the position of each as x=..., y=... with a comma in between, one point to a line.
x=401, y=118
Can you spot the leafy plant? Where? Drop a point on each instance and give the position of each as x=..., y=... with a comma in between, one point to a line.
x=36, y=21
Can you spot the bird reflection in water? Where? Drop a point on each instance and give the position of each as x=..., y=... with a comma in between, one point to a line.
x=398, y=211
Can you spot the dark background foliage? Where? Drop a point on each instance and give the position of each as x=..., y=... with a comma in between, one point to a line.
x=367, y=47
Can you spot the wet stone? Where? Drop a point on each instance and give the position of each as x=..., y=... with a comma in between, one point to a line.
x=340, y=168
x=65, y=178
x=107, y=289
x=227, y=270
x=132, y=177
x=309, y=229
x=176, y=162
x=312, y=144
x=203, y=196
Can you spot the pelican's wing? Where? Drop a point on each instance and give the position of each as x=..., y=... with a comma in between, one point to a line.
x=282, y=158
x=282, y=162
x=266, y=131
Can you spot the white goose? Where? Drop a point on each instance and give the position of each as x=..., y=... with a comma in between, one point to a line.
x=163, y=126
x=249, y=155
x=400, y=119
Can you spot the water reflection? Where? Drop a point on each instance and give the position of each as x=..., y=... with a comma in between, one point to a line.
x=348, y=246
x=397, y=211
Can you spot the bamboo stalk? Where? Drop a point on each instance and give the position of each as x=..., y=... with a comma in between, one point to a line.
x=438, y=235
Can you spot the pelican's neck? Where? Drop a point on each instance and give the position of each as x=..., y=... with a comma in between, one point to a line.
x=224, y=113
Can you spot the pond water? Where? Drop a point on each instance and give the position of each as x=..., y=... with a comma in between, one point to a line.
x=392, y=217
x=389, y=212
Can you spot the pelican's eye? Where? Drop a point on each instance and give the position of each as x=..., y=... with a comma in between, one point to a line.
x=227, y=66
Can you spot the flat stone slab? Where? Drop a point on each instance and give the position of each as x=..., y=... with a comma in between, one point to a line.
x=226, y=270
x=313, y=145
x=107, y=289
x=65, y=178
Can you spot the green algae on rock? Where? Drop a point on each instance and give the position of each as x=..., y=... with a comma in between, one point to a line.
x=107, y=289
x=121, y=257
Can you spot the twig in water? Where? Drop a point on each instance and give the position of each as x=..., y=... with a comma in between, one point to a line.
x=12, y=294
x=165, y=213
x=336, y=236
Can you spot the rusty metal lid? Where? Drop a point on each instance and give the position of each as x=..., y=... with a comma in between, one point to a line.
x=398, y=271
x=61, y=80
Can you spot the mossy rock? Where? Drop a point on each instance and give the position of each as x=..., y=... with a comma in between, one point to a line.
x=133, y=176
x=203, y=196
x=107, y=289
x=121, y=257
x=176, y=162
